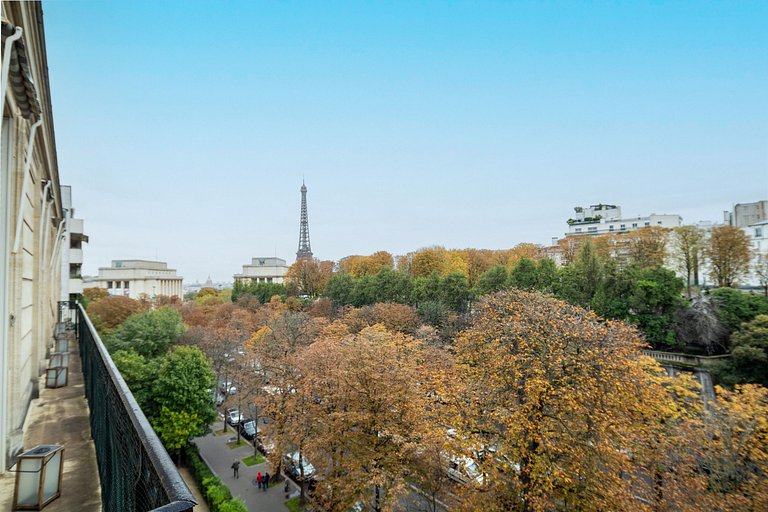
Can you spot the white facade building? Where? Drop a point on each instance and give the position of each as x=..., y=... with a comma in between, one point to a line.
x=138, y=279
x=263, y=270
x=31, y=220
x=604, y=219
x=71, y=249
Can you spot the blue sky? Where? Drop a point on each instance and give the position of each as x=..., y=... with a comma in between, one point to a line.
x=185, y=128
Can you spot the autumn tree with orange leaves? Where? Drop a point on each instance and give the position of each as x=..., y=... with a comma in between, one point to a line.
x=547, y=399
x=360, y=396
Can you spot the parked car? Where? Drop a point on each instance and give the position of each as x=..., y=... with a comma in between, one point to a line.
x=247, y=428
x=291, y=462
x=232, y=416
x=264, y=446
x=228, y=387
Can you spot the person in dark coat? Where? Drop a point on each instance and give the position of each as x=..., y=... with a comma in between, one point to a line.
x=265, y=480
x=236, y=468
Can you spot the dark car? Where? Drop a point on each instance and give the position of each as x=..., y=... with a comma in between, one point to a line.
x=247, y=428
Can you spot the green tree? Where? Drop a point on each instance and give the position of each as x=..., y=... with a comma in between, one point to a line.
x=184, y=384
x=655, y=299
x=176, y=428
x=749, y=354
x=546, y=275
x=523, y=275
x=734, y=307
x=454, y=291
x=139, y=374
x=262, y=291
x=426, y=288
x=492, y=280
x=393, y=286
x=580, y=281
x=149, y=333
x=339, y=288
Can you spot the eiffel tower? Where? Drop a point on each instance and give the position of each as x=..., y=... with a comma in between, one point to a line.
x=305, y=251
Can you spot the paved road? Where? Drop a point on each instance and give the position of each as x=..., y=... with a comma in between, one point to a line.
x=219, y=457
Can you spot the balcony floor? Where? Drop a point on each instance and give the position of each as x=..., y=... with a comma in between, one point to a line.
x=60, y=416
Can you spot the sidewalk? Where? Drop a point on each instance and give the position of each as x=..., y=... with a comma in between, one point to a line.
x=219, y=456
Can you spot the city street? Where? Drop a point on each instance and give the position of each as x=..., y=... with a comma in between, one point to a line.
x=214, y=449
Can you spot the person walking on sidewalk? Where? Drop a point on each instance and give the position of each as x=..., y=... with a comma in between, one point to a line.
x=236, y=469
x=258, y=479
x=265, y=481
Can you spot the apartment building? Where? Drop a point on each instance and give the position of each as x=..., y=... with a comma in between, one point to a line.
x=32, y=223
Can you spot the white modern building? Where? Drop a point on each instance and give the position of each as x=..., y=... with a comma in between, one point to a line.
x=604, y=219
x=71, y=249
x=138, y=279
x=263, y=270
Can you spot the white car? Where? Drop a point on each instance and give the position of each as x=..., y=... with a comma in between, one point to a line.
x=291, y=461
x=233, y=416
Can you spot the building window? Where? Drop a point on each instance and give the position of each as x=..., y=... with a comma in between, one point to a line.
x=126, y=284
x=634, y=224
x=758, y=232
x=269, y=279
x=623, y=226
x=658, y=222
x=109, y=284
x=647, y=223
x=578, y=230
x=592, y=229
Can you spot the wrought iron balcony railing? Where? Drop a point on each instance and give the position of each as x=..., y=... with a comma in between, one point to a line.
x=135, y=470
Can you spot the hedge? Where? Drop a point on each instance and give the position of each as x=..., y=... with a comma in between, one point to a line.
x=217, y=495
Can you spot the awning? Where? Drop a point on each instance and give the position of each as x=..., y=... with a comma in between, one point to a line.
x=19, y=77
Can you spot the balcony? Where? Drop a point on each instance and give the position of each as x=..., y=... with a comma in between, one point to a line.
x=75, y=256
x=135, y=472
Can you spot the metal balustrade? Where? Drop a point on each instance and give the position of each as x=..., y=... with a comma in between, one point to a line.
x=135, y=470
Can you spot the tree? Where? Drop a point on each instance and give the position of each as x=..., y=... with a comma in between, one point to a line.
x=736, y=454
x=654, y=303
x=734, y=307
x=687, y=252
x=546, y=399
x=339, y=289
x=176, y=428
x=454, y=292
x=275, y=346
x=311, y=276
x=183, y=389
x=648, y=246
x=358, y=266
x=492, y=280
x=761, y=271
x=262, y=291
x=139, y=374
x=359, y=393
x=393, y=286
x=150, y=333
x=109, y=312
x=546, y=275
x=749, y=353
x=580, y=281
x=523, y=275
x=729, y=253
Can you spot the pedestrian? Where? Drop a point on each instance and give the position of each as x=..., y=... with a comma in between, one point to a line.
x=258, y=479
x=265, y=481
x=236, y=468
